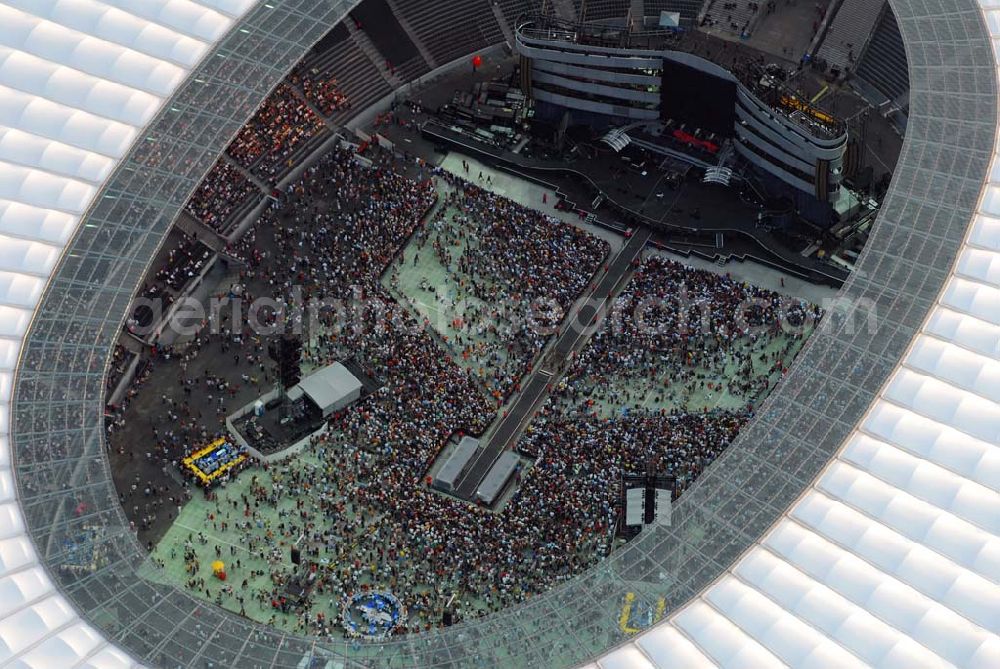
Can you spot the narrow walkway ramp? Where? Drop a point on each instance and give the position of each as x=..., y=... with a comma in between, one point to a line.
x=581, y=323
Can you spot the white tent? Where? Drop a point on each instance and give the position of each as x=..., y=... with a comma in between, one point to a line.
x=331, y=388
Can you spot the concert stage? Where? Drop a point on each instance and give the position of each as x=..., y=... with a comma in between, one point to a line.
x=688, y=217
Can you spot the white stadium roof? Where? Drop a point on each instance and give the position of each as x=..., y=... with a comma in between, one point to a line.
x=79, y=79
x=890, y=559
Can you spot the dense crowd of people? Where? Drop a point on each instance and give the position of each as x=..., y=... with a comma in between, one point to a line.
x=184, y=260
x=683, y=335
x=121, y=358
x=265, y=145
x=222, y=192
x=279, y=127
x=512, y=271
x=671, y=377
x=356, y=499
x=523, y=256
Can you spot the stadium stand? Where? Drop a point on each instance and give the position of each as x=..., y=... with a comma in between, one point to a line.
x=884, y=63
x=283, y=129
x=732, y=16
x=567, y=10
x=514, y=9
x=849, y=32
x=376, y=19
x=472, y=26
x=599, y=10
x=222, y=195
x=337, y=55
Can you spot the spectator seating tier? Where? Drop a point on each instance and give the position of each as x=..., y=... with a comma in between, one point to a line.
x=884, y=64
x=688, y=9
x=515, y=9
x=599, y=10
x=338, y=56
x=472, y=26
x=734, y=16
x=849, y=31
x=376, y=19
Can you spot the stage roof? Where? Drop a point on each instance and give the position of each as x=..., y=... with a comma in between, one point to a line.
x=330, y=385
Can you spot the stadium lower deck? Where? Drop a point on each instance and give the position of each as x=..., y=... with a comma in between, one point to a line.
x=356, y=500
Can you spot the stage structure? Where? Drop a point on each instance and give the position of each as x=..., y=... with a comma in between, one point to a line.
x=645, y=499
x=607, y=76
x=278, y=424
x=454, y=467
x=214, y=462
x=330, y=389
x=497, y=479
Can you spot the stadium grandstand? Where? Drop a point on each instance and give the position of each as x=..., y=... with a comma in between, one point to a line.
x=499, y=333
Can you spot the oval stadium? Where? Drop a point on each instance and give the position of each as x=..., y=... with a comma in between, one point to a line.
x=601, y=334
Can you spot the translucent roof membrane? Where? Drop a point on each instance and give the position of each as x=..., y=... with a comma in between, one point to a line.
x=853, y=523
x=892, y=556
x=78, y=81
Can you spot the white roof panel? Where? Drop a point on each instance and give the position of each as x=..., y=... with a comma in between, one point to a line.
x=973, y=298
x=108, y=658
x=972, y=333
x=114, y=25
x=927, y=481
x=96, y=56
x=721, y=639
x=945, y=403
x=78, y=80
x=63, y=647
x=985, y=233
x=183, y=16
x=981, y=265
x=795, y=642
x=74, y=88
x=629, y=657
x=27, y=257
x=956, y=365
x=941, y=444
x=44, y=189
x=45, y=118
x=29, y=150
x=665, y=646
x=35, y=223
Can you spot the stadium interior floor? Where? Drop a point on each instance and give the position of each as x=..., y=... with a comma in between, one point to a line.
x=196, y=519
x=171, y=536
x=531, y=194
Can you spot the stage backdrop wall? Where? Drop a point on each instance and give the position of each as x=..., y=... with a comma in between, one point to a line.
x=698, y=98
